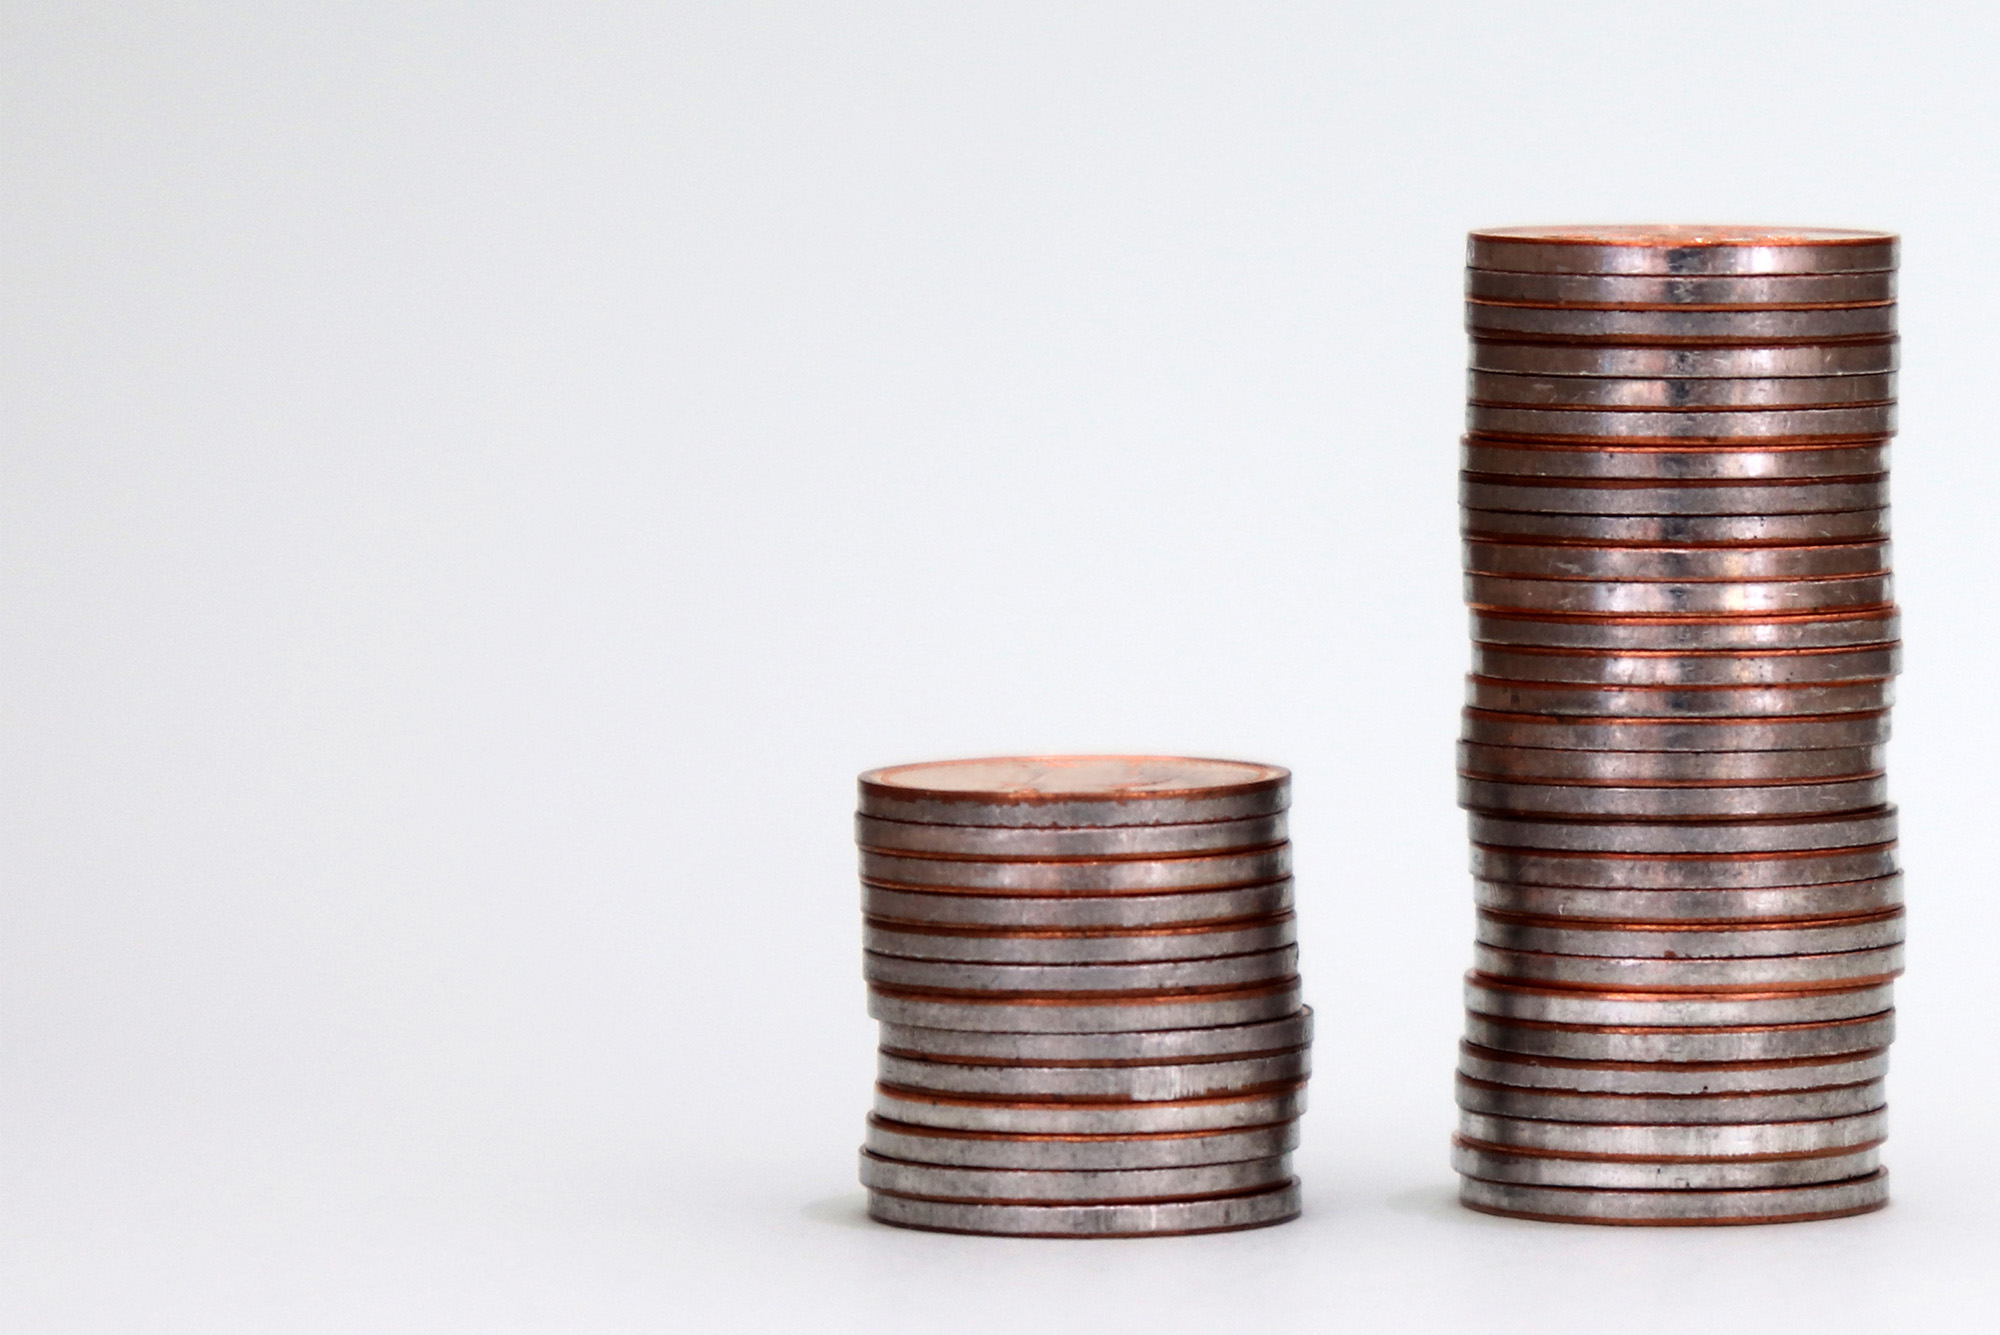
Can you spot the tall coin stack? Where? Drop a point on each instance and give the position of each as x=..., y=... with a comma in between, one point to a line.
x=1085, y=968
x=1676, y=553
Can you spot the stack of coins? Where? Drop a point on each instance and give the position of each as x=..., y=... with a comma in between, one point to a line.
x=1086, y=973
x=1676, y=553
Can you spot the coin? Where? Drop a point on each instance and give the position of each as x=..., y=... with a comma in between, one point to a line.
x=1677, y=530
x=1732, y=838
x=1775, y=1205
x=1711, y=1141
x=1658, y=393
x=1075, y=791
x=1049, y=1118
x=1667, y=768
x=1804, y=903
x=1714, y=977
x=1039, y=979
x=1687, y=634
x=987, y=1149
x=1542, y=1170
x=1585, y=360
x=1664, y=1044
x=1767, y=324
x=1565, y=1105
x=1216, y=1215
x=1689, y=803
x=1138, y=1084
x=1195, y=871
x=1772, y=424
x=1678, y=249
x=1524, y=1001
x=1077, y=911
x=1083, y=1014
x=1623, y=497
x=1685, y=941
x=1072, y=946
x=1598, y=702
x=1496, y=1067
x=1655, y=668
x=1642, y=291
x=1112, y=841
x=1553, y=461
x=1676, y=734
x=1639, y=598
x=1007, y=1185
x=1168, y=1046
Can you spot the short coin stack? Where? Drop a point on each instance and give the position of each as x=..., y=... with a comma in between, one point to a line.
x=1676, y=554
x=1085, y=968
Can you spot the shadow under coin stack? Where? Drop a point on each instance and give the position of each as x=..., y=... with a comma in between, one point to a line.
x=1676, y=552
x=1086, y=975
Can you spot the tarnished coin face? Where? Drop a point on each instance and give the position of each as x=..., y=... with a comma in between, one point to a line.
x=1771, y=1205
x=1548, y=1170
x=990, y=1149
x=1680, y=249
x=1657, y=393
x=1221, y=1214
x=1636, y=361
x=1645, y=291
x=1490, y=456
x=1769, y=424
x=1075, y=791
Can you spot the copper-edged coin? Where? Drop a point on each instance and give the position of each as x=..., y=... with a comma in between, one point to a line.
x=1075, y=791
x=990, y=1149
x=1169, y=1046
x=1554, y=461
x=1764, y=424
x=1677, y=1205
x=1659, y=394
x=1672, y=769
x=1667, y=1044
x=1220, y=1214
x=1676, y=529
x=1636, y=361
x=1548, y=1170
x=1102, y=1186
x=1879, y=886
x=1010, y=842
x=1194, y=871
x=1714, y=292
x=1652, y=1010
x=1732, y=975
x=1657, y=668
x=1680, y=249
x=1619, y=496
x=1059, y=945
x=1691, y=941
x=1763, y=325
x=1684, y=733
x=1525, y=1071
x=1083, y=1013
x=1076, y=912
x=1584, y=801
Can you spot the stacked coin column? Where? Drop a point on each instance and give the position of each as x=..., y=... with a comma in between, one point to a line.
x=1689, y=913
x=1085, y=970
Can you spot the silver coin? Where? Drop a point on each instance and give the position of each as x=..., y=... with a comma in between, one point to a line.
x=986, y=1149
x=1634, y=1044
x=1068, y=946
x=1733, y=838
x=1563, y=1105
x=1164, y=1046
x=1007, y=1185
x=1544, y=1170
x=1742, y=904
x=1137, y=1084
x=1710, y=976
x=1215, y=1215
x=1680, y=249
x=1162, y=976
x=1639, y=598
x=1108, y=841
x=1591, y=701
x=1870, y=626
x=1677, y=363
x=1638, y=424
x=1080, y=875
x=1550, y=462
x=1583, y=801
x=1667, y=768
x=1083, y=1014
x=1075, y=791
x=1685, y=941
x=1618, y=497
x=1213, y=1113
x=1708, y=1141
x=1677, y=530
x=1518, y=1070
x=1639, y=291
x=1771, y=1205
x=1676, y=734
x=1565, y=561
x=1763, y=325
x=1077, y=911
x=1644, y=668
x=1662, y=394
x=1683, y=871
x=1655, y=1010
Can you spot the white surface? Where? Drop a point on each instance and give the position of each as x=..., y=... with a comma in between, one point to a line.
x=478, y=486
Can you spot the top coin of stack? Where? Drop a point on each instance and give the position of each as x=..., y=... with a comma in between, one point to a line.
x=1086, y=972
x=1676, y=552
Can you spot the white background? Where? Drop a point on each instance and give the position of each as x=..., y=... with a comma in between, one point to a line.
x=479, y=481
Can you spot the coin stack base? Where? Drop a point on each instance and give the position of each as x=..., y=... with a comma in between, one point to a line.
x=1085, y=970
x=1689, y=914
